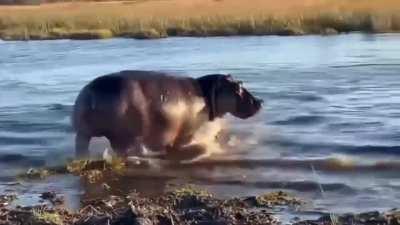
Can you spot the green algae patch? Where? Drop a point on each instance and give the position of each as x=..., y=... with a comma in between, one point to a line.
x=46, y=217
x=278, y=198
x=268, y=200
x=92, y=170
x=35, y=174
x=190, y=196
x=191, y=191
x=80, y=166
x=95, y=170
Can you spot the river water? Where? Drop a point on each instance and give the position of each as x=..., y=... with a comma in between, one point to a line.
x=329, y=131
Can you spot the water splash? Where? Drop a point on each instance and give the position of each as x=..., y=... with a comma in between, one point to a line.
x=207, y=136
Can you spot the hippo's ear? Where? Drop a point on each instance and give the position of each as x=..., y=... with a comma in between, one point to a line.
x=210, y=85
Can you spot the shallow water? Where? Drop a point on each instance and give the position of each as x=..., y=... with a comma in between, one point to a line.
x=330, y=129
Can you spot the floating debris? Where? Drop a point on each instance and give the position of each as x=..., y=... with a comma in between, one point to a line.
x=35, y=174
x=52, y=198
x=5, y=200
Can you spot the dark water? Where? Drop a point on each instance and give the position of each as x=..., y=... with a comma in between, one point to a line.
x=330, y=129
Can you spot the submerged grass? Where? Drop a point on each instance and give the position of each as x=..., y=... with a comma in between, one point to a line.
x=46, y=217
x=158, y=19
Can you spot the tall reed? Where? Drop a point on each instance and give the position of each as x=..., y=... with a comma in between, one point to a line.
x=157, y=19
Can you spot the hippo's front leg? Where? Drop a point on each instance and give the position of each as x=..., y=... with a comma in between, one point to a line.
x=124, y=146
x=185, y=152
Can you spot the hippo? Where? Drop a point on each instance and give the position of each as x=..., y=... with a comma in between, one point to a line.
x=157, y=110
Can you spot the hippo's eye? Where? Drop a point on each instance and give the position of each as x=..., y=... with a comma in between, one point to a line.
x=239, y=90
x=237, y=84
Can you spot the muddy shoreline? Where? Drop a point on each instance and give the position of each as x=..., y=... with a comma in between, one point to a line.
x=184, y=204
x=151, y=34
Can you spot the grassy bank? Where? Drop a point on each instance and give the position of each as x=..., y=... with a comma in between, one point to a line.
x=157, y=19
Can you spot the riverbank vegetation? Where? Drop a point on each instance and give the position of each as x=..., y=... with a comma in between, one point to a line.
x=157, y=19
x=184, y=206
x=178, y=205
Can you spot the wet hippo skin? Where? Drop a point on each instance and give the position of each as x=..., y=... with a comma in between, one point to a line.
x=156, y=111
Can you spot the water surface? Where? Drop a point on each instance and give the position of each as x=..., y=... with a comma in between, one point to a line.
x=329, y=132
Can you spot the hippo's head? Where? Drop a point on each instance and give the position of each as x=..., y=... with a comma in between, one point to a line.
x=225, y=95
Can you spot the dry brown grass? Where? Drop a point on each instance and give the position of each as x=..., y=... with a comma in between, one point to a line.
x=161, y=18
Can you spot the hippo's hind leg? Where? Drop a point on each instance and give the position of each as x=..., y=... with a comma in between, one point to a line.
x=82, y=145
x=123, y=144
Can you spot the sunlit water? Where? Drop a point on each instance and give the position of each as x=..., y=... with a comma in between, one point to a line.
x=331, y=118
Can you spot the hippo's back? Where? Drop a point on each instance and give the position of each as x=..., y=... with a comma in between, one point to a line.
x=137, y=94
